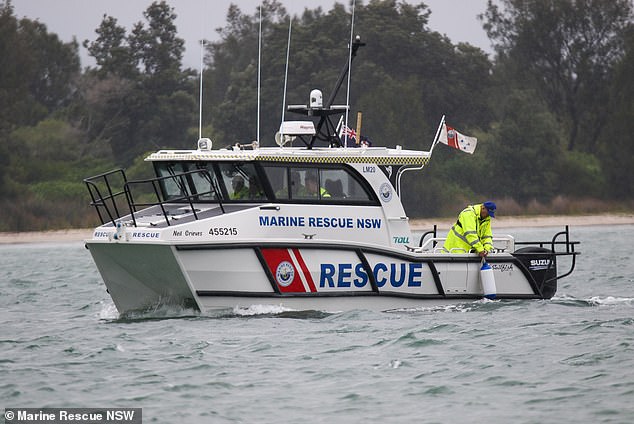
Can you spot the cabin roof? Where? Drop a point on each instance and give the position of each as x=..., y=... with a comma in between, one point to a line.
x=373, y=155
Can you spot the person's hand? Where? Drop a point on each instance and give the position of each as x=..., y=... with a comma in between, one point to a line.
x=484, y=253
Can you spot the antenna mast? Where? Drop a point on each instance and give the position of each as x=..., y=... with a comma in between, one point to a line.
x=259, y=73
x=345, y=144
x=288, y=49
x=200, y=100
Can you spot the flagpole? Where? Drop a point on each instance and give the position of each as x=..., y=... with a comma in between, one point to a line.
x=402, y=170
x=433, y=144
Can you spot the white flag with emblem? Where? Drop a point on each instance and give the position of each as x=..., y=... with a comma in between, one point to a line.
x=453, y=138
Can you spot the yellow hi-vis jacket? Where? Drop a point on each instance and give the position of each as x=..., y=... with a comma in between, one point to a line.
x=470, y=233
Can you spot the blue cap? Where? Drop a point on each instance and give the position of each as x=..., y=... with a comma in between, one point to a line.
x=490, y=206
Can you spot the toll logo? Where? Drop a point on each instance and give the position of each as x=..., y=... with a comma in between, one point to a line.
x=285, y=274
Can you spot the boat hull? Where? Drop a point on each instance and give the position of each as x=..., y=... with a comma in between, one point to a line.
x=141, y=276
x=303, y=276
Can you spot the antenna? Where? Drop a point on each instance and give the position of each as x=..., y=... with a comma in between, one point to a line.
x=200, y=100
x=345, y=144
x=259, y=73
x=288, y=50
x=203, y=143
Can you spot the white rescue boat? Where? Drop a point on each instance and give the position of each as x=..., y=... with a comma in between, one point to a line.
x=308, y=228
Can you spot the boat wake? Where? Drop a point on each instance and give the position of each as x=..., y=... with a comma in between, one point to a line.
x=594, y=301
x=253, y=310
x=109, y=313
x=278, y=311
x=489, y=305
x=454, y=307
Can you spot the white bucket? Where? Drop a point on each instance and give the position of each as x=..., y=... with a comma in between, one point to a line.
x=488, y=281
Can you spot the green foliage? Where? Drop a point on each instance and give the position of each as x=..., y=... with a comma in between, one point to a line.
x=523, y=151
x=58, y=191
x=50, y=140
x=13, y=86
x=565, y=50
x=138, y=98
x=54, y=65
x=140, y=170
x=581, y=174
x=617, y=147
x=384, y=114
x=404, y=79
x=157, y=46
x=428, y=194
x=111, y=51
x=37, y=72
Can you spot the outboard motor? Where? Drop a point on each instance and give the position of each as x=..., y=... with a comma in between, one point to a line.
x=542, y=265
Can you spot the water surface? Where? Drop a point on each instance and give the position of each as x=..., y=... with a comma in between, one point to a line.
x=566, y=360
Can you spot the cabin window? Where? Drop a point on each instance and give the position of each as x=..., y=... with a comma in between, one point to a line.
x=305, y=184
x=241, y=181
x=339, y=184
x=202, y=181
x=317, y=184
x=278, y=179
x=196, y=184
x=172, y=189
x=262, y=182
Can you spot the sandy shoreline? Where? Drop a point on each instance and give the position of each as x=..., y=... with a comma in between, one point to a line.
x=504, y=222
x=77, y=235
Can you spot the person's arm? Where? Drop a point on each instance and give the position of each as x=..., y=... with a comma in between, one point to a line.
x=468, y=222
x=486, y=237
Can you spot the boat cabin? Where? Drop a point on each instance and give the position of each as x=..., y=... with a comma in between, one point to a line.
x=263, y=182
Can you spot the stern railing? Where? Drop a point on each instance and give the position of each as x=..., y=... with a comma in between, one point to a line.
x=553, y=244
x=429, y=244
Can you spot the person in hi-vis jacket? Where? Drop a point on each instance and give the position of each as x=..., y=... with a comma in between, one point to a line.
x=472, y=230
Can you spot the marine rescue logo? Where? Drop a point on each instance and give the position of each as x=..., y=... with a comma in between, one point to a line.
x=385, y=192
x=285, y=274
x=288, y=271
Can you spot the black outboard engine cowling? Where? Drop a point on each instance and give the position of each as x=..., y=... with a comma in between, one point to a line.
x=542, y=265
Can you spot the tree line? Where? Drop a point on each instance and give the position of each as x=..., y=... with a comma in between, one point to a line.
x=552, y=109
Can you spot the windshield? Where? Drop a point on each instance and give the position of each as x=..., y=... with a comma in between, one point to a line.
x=196, y=184
x=263, y=182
